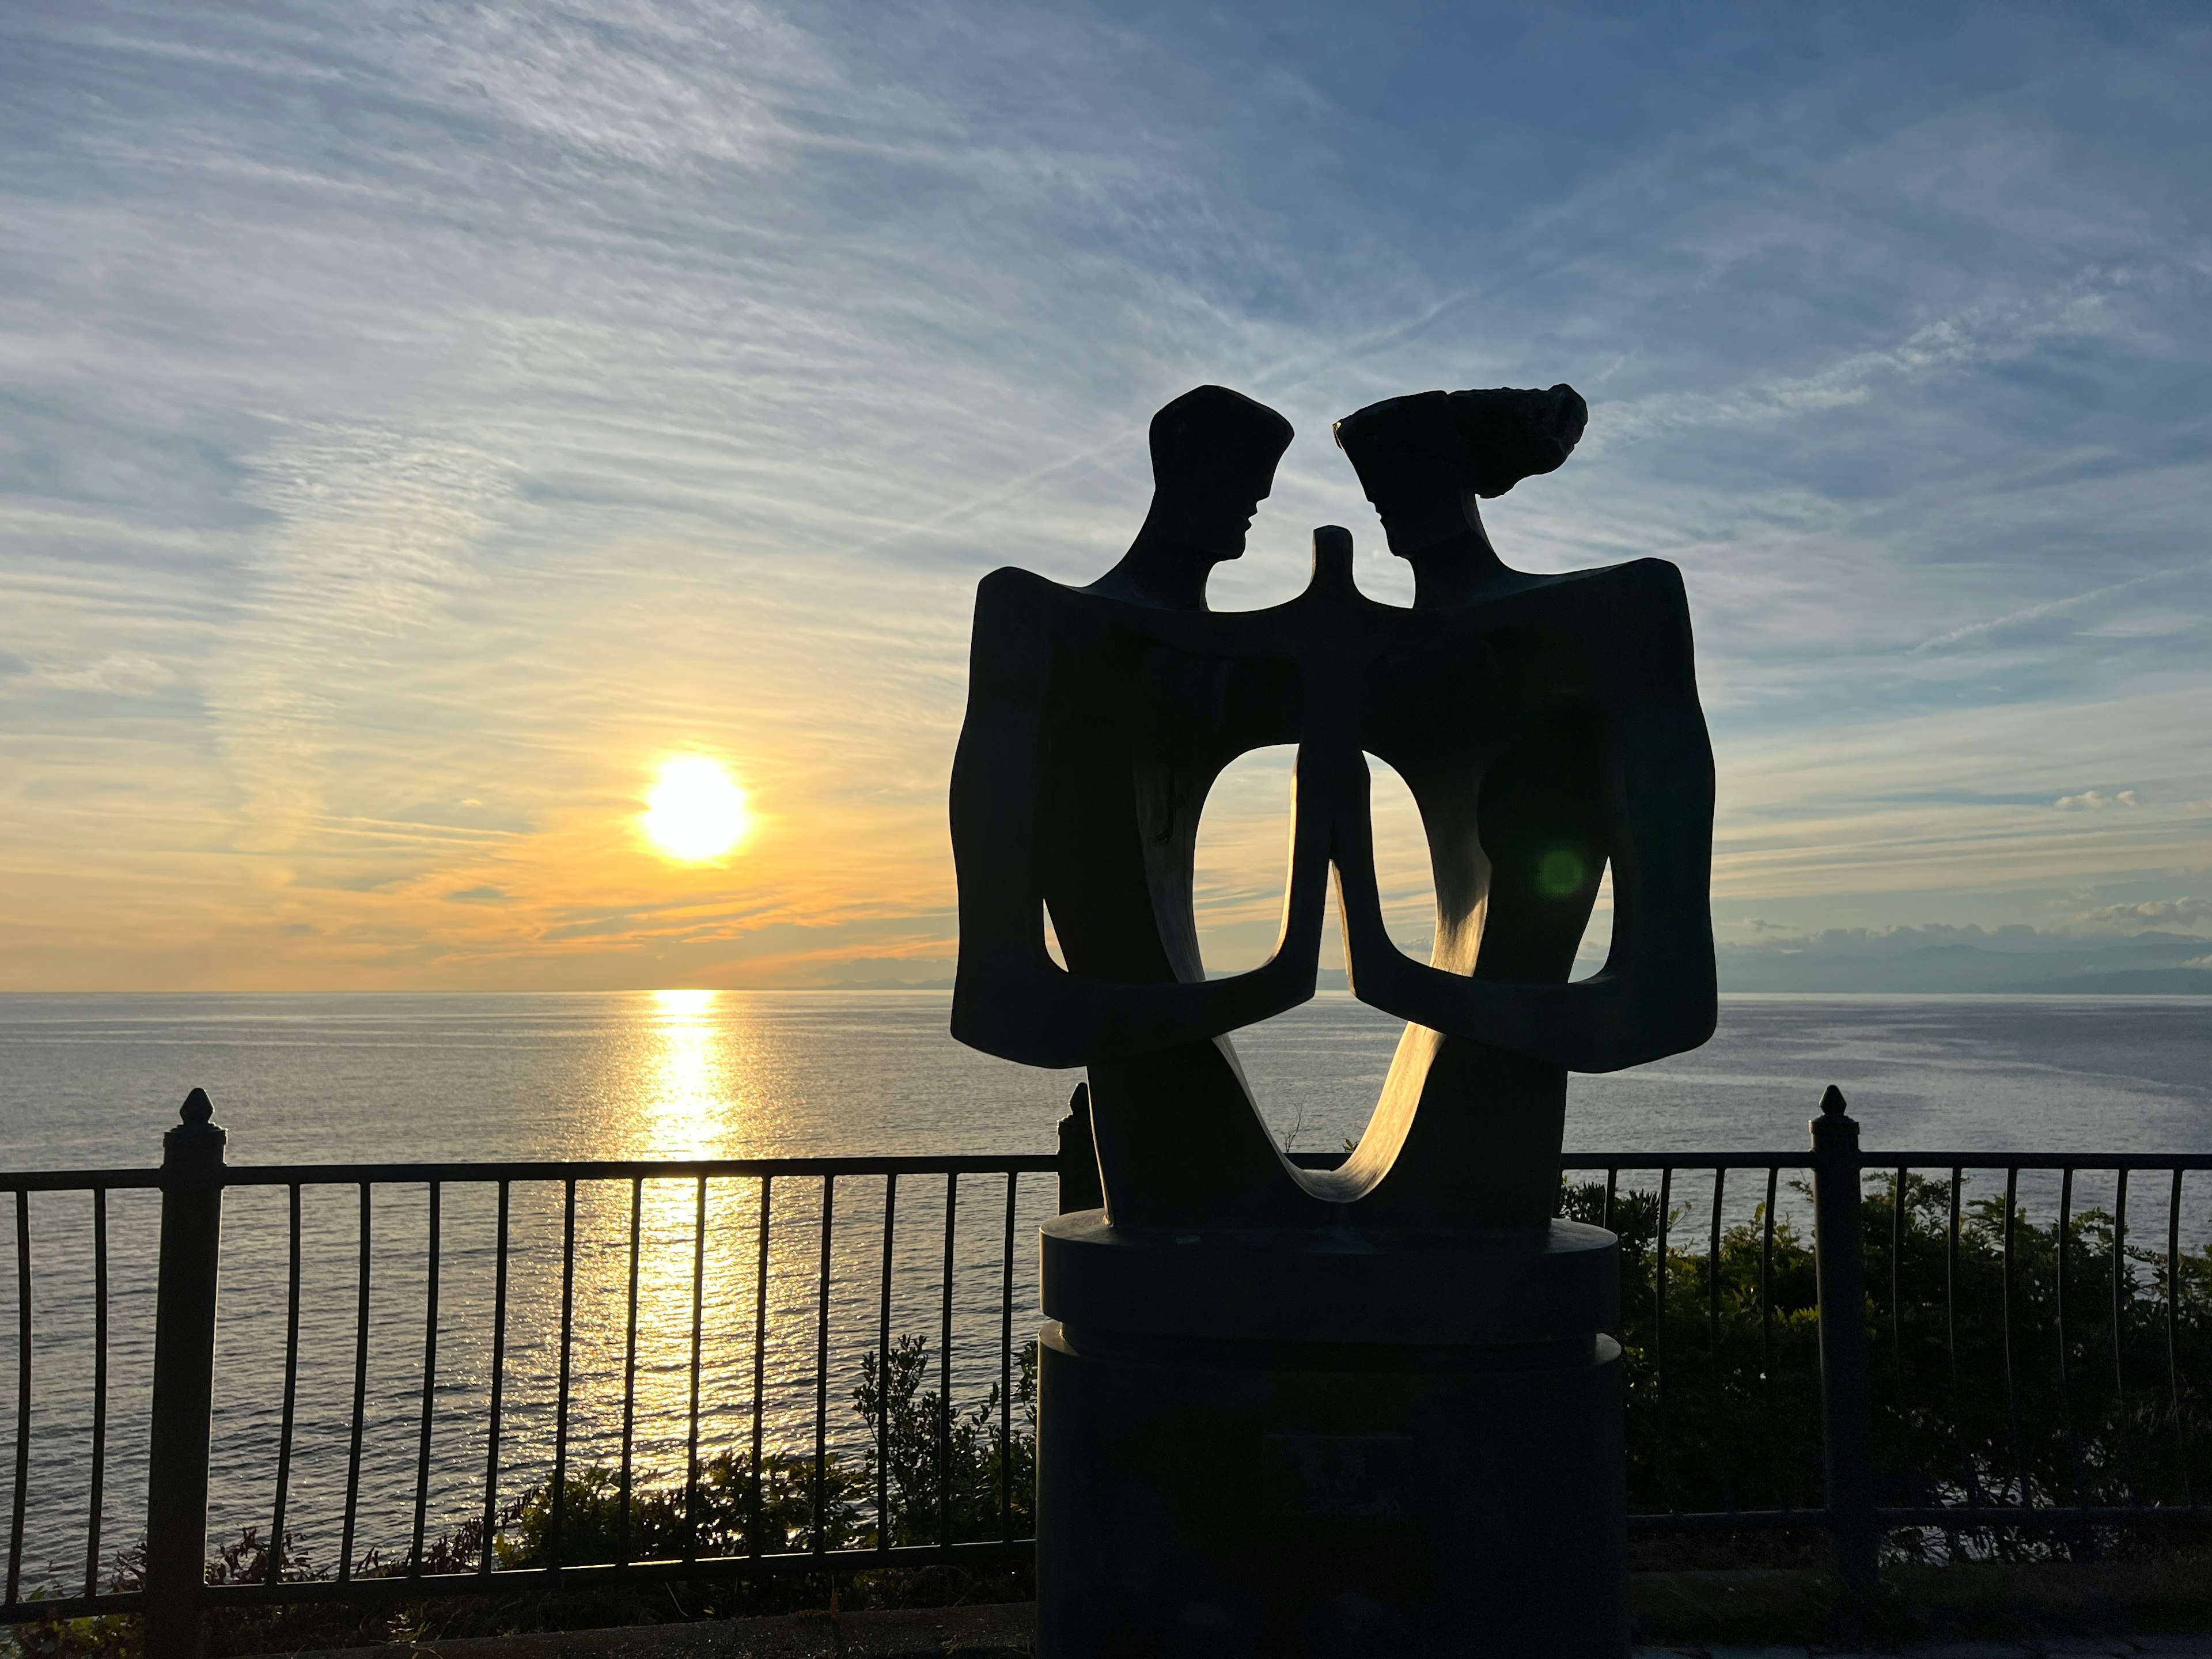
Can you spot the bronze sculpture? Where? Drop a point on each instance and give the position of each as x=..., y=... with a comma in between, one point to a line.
x=1401, y=1360
x=1546, y=725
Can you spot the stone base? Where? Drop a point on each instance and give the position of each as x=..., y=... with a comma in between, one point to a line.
x=1363, y=1480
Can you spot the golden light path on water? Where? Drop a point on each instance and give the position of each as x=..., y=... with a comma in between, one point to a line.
x=689, y=1105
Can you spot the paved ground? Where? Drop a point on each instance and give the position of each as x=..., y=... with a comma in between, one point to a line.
x=2058, y=1647
x=1007, y=1633
x=989, y=1632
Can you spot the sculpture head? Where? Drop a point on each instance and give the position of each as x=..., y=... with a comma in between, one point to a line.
x=1213, y=462
x=1424, y=459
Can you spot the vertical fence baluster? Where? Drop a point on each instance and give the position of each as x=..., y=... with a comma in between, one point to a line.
x=1713, y=1339
x=945, y=1373
x=2172, y=1322
x=1713, y=1270
x=98, y=1500
x=360, y=1394
x=2005, y=1302
x=630, y=1370
x=1846, y=1385
x=286, y=1423
x=22, y=1392
x=2121, y=1298
x=553, y=1539
x=2065, y=1365
x=1767, y=1336
x=1659, y=1339
x=820, y=1538
x=498, y=1387
x=1897, y=1282
x=698, y=1327
x=1970, y=1478
x=1006, y=1372
x=429, y=1382
x=883, y=1371
x=759, y=1367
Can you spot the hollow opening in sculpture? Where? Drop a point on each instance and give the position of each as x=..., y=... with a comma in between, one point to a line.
x=1597, y=932
x=1316, y=1071
x=1239, y=865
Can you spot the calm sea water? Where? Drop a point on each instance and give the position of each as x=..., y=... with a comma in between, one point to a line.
x=92, y=1081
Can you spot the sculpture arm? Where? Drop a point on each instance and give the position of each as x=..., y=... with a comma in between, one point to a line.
x=1656, y=995
x=1010, y=998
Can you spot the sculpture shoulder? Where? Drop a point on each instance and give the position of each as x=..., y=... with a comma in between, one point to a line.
x=1651, y=584
x=1011, y=592
x=1022, y=622
x=1643, y=599
x=1628, y=624
x=1650, y=614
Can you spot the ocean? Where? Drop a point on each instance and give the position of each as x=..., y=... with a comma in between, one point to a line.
x=91, y=1081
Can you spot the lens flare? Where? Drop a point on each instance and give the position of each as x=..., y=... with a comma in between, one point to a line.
x=695, y=812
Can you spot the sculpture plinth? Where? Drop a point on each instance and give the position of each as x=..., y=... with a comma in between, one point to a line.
x=1289, y=1444
x=1371, y=1409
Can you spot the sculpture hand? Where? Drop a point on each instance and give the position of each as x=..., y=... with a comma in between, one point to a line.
x=1655, y=996
x=1374, y=968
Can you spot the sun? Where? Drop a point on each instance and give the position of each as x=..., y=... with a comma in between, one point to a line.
x=695, y=812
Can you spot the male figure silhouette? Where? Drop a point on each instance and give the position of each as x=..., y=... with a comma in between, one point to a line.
x=1097, y=719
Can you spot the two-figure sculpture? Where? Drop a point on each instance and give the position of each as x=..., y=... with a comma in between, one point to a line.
x=1368, y=1408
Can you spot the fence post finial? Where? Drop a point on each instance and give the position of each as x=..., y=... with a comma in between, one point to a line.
x=184, y=1381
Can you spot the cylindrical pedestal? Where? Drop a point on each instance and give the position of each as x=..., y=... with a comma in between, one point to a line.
x=1293, y=1444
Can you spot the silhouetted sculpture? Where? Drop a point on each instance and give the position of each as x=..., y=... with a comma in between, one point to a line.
x=1401, y=1357
x=1544, y=724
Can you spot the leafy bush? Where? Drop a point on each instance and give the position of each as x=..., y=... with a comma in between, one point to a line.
x=723, y=1515
x=960, y=1478
x=1724, y=1395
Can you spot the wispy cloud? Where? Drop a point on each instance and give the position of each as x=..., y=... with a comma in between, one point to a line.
x=2053, y=608
x=420, y=421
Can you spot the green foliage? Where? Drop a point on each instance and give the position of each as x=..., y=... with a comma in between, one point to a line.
x=728, y=1510
x=100, y=1636
x=944, y=1472
x=1973, y=1399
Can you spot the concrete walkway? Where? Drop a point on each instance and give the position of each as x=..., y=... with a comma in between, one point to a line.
x=1009, y=1633
x=986, y=1632
x=2058, y=1647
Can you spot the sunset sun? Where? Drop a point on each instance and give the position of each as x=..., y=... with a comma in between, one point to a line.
x=695, y=811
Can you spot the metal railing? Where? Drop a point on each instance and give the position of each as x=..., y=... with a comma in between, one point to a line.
x=1830, y=1182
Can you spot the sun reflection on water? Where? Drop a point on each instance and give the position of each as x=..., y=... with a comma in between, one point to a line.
x=689, y=1103
x=689, y=1107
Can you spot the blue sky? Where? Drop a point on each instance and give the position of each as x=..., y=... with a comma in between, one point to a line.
x=420, y=420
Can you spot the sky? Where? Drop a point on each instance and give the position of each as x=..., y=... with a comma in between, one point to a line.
x=421, y=423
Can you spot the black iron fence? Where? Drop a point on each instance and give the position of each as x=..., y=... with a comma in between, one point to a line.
x=2075, y=1403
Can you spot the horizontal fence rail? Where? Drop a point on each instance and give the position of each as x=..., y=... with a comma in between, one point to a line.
x=440, y=1378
